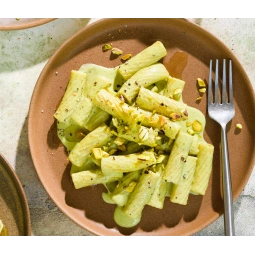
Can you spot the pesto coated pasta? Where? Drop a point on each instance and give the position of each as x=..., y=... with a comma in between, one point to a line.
x=127, y=128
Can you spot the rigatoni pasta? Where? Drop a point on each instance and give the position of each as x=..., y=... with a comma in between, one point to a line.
x=127, y=128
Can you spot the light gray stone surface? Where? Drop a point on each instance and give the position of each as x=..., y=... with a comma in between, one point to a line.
x=24, y=53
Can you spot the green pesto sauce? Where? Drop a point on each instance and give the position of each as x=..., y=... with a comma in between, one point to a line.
x=123, y=220
x=194, y=114
x=60, y=130
x=94, y=71
x=107, y=198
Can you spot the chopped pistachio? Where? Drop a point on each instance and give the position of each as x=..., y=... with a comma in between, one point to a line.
x=119, y=141
x=184, y=114
x=174, y=116
x=161, y=158
x=154, y=89
x=144, y=157
x=126, y=57
x=98, y=153
x=190, y=131
x=106, y=47
x=198, y=98
x=201, y=83
x=116, y=51
x=197, y=126
x=188, y=124
x=202, y=90
x=143, y=134
x=130, y=186
x=177, y=94
x=239, y=126
x=105, y=155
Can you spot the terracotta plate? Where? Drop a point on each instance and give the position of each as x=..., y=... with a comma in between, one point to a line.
x=14, y=211
x=85, y=206
x=22, y=23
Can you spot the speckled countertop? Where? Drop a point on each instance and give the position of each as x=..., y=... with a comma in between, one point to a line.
x=24, y=53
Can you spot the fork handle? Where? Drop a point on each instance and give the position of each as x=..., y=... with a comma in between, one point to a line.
x=227, y=187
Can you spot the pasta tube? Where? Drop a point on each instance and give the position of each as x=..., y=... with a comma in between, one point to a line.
x=154, y=120
x=95, y=139
x=180, y=192
x=117, y=108
x=88, y=165
x=168, y=107
x=147, y=57
x=203, y=169
x=158, y=197
x=93, y=177
x=82, y=111
x=72, y=96
x=128, y=163
x=125, y=187
x=136, y=133
x=177, y=158
x=132, y=147
x=143, y=78
x=98, y=77
x=141, y=193
x=96, y=117
x=174, y=88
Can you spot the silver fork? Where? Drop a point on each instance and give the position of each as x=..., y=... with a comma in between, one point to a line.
x=222, y=111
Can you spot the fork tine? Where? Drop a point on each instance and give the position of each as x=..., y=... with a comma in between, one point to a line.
x=209, y=92
x=224, y=86
x=230, y=83
x=216, y=82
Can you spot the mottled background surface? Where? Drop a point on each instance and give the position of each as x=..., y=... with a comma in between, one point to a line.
x=24, y=53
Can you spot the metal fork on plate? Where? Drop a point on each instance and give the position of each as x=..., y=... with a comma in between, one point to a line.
x=222, y=111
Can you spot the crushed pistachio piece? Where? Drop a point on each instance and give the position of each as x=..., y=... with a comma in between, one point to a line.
x=201, y=83
x=119, y=141
x=188, y=124
x=117, y=51
x=198, y=98
x=143, y=134
x=154, y=89
x=161, y=158
x=239, y=126
x=203, y=90
x=144, y=157
x=126, y=57
x=131, y=186
x=197, y=126
x=106, y=47
x=174, y=116
x=105, y=154
x=177, y=94
x=98, y=153
x=190, y=131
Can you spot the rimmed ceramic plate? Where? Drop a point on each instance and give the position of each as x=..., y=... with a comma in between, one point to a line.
x=85, y=206
x=14, y=211
x=22, y=23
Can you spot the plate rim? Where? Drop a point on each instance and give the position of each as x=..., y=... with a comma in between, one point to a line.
x=21, y=193
x=31, y=24
x=96, y=23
